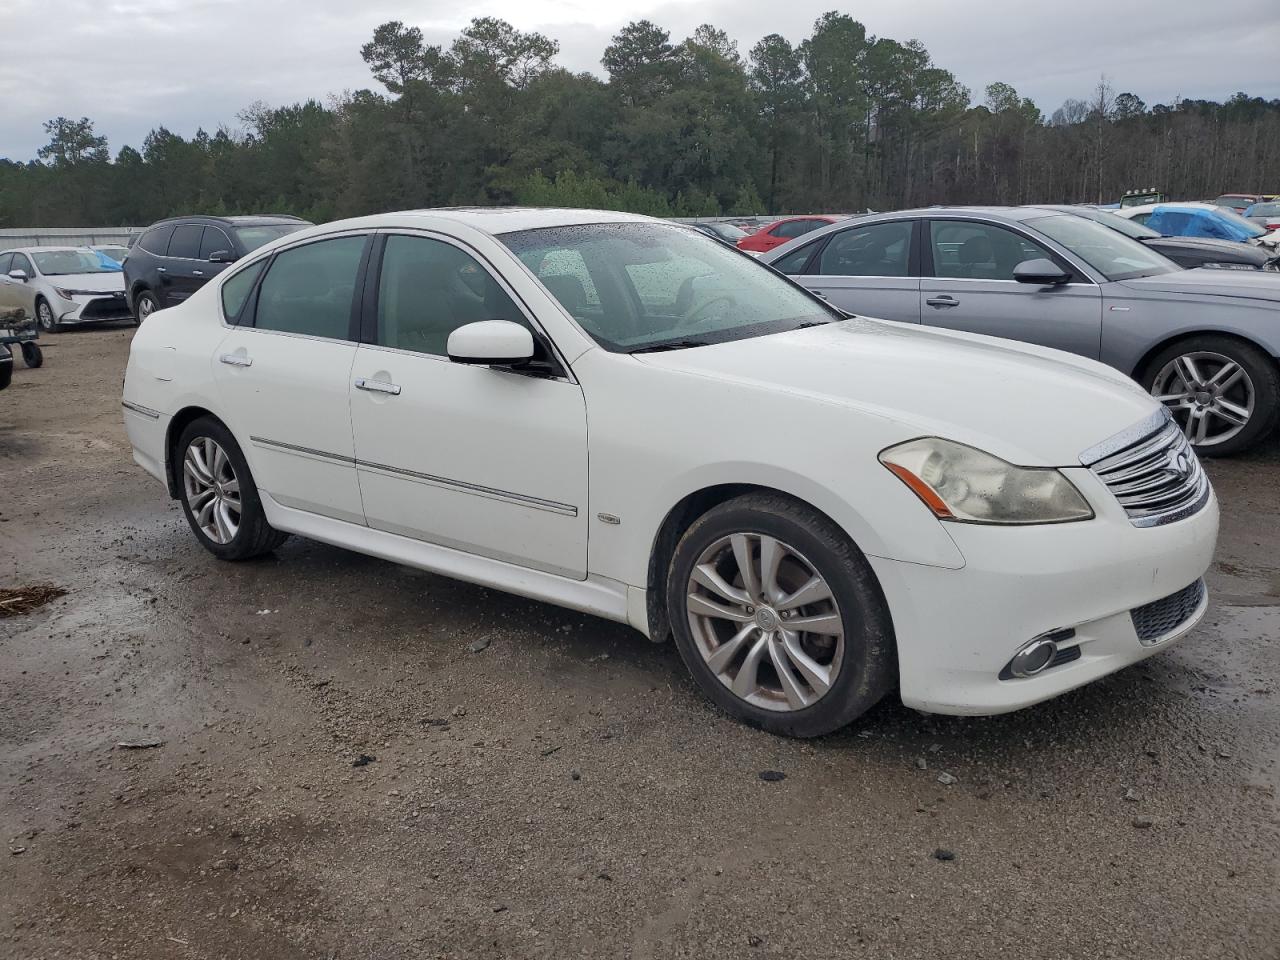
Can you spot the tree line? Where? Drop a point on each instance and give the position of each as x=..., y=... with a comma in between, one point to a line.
x=841, y=122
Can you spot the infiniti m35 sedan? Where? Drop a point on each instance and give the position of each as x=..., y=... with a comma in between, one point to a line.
x=620, y=416
x=1205, y=342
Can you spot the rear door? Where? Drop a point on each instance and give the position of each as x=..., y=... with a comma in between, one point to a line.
x=183, y=272
x=283, y=372
x=968, y=285
x=868, y=269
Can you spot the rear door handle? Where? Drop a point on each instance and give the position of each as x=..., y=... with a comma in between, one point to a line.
x=236, y=360
x=162, y=269
x=377, y=386
x=943, y=301
x=197, y=273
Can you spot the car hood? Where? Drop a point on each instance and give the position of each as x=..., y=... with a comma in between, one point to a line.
x=1030, y=405
x=89, y=282
x=1241, y=251
x=1203, y=281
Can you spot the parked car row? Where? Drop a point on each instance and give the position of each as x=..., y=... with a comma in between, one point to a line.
x=1203, y=342
x=821, y=509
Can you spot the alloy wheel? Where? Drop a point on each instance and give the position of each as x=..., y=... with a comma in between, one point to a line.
x=1209, y=394
x=146, y=307
x=765, y=621
x=212, y=490
x=44, y=313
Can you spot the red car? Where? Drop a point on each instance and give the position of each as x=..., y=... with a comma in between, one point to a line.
x=781, y=231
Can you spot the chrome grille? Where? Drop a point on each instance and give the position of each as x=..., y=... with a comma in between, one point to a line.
x=1154, y=473
x=1160, y=617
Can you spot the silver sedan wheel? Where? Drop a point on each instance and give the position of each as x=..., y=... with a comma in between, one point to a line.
x=212, y=489
x=1209, y=394
x=765, y=621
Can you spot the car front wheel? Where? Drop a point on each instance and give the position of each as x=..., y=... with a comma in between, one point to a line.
x=45, y=317
x=144, y=305
x=779, y=617
x=219, y=497
x=1225, y=394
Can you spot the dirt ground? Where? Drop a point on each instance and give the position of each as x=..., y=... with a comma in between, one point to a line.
x=565, y=791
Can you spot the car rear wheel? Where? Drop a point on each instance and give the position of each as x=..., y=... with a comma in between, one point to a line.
x=779, y=617
x=1224, y=394
x=45, y=317
x=219, y=497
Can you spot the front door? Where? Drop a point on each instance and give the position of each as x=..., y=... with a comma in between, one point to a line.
x=972, y=289
x=485, y=460
x=182, y=272
x=867, y=270
x=284, y=374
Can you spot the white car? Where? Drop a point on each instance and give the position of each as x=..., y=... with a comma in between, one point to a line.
x=620, y=416
x=68, y=285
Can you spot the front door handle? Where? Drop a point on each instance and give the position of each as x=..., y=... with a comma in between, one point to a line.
x=943, y=301
x=236, y=360
x=162, y=269
x=197, y=273
x=377, y=386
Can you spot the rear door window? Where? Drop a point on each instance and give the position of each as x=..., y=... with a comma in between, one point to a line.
x=157, y=240
x=185, y=243
x=308, y=290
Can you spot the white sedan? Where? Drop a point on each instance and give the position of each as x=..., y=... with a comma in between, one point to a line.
x=617, y=415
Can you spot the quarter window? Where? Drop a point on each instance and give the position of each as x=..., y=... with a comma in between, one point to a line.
x=309, y=289
x=157, y=241
x=236, y=290
x=428, y=289
x=185, y=244
x=877, y=250
x=979, y=251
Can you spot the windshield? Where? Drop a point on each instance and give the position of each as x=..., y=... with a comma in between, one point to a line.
x=255, y=237
x=1263, y=210
x=646, y=286
x=60, y=263
x=1252, y=229
x=1232, y=202
x=1130, y=228
x=728, y=231
x=1114, y=256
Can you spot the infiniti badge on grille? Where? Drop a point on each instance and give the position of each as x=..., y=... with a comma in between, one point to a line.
x=1180, y=465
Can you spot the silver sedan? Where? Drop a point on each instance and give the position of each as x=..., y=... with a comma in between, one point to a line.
x=1205, y=342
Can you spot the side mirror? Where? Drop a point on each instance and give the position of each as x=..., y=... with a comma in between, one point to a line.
x=1041, y=271
x=19, y=275
x=491, y=343
x=221, y=256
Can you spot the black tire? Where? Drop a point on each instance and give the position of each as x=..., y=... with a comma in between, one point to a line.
x=255, y=536
x=1261, y=370
x=869, y=664
x=45, y=317
x=139, y=312
x=32, y=355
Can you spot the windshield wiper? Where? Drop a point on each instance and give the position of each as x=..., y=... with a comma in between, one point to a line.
x=670, y=345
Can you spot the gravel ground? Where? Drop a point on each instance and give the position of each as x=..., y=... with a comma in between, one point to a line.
x=321, y=767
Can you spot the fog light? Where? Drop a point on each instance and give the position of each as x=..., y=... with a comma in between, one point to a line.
x=1032, y=658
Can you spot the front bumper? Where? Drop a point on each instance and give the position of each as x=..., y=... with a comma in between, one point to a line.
x=957, y=629
x=93, y=307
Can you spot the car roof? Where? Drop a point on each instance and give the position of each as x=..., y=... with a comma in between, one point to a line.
x=1009, y=214
x=512, y=219
x=238, y=220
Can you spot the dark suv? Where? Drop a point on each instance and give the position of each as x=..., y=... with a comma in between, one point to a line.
x=175, y=258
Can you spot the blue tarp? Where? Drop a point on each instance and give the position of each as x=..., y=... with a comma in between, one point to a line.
x=1197, y=222
x=108, y=263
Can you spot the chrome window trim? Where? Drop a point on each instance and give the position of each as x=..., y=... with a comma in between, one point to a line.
x=461, y=486
x=1095, y=279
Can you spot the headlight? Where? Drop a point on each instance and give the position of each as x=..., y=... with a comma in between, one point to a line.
x=64, y=294
x=958, y=482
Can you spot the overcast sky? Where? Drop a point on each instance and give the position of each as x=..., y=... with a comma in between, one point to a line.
x=131, y=65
